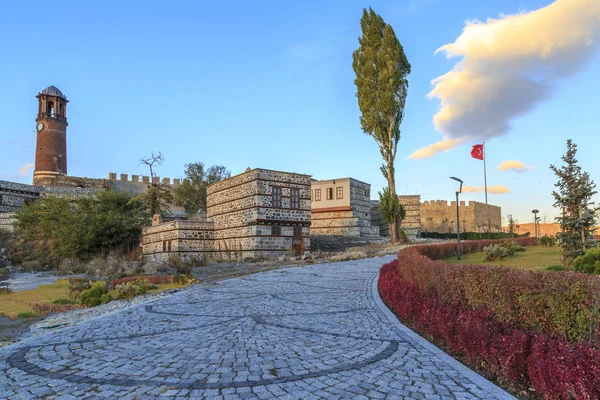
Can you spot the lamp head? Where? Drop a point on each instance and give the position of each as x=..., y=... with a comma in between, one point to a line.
x=457, y=180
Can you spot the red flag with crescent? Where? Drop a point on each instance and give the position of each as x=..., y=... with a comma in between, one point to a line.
x=477, y=151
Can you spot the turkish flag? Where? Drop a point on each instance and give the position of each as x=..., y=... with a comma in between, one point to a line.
x=477, y=152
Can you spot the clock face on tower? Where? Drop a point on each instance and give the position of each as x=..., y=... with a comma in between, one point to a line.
x=39, y=126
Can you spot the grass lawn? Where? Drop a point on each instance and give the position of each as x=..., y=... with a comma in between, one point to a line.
x=535, y=258
x=13, y=304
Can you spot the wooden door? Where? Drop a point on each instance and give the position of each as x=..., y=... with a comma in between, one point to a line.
x=297, y=247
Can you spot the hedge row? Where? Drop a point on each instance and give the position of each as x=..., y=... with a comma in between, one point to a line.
x=471, y=235
x=526, y=329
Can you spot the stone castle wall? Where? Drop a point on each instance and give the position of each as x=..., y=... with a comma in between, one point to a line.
x=247, y=224
x=191, y=241
x=412, y=222
x=440, y=216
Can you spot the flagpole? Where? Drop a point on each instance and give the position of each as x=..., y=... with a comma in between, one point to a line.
x=485, y=174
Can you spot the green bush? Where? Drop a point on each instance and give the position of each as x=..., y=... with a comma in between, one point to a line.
x=471, y=235
x=402, y=236
x=105, y=298
x=495, y=252
x=129, y=290
x=512, y=247
x=548, y=241
x=92, y=296
x=589, y=262
x=61, y=228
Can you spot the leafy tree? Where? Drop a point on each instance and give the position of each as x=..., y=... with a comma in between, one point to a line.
x=389, y=206
x=573, y=196
x=191, y=194
x=157, y=197
x=511, y=224
x=60, y=228
x=382, y=70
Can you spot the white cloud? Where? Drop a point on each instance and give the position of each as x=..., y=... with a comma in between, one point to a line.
x=514, y=165
x=510, y=65
x=496, y=189
x=439, y=147
x=22, y=173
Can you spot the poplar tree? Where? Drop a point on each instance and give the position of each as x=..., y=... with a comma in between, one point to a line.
x=382, y=70
x=573, y=196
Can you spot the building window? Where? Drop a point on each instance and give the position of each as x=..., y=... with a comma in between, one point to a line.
x=317, y=194
x=339, y=192
x=275, y=230
x=277, y=197
x=329, y=193
x=295, y=198
x=50, y=109
x=297, y=231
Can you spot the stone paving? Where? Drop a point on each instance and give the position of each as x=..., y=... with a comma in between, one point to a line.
x=311, y=332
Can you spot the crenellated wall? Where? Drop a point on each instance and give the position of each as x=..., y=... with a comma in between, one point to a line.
x=247, y=223
x=440, y=216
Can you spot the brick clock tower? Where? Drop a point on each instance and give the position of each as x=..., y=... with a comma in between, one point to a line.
x=51, y=146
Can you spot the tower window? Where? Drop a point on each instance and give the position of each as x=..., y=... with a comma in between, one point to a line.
x=51, y=108
x=277, y=197
x=295, y=198
x=60, y=110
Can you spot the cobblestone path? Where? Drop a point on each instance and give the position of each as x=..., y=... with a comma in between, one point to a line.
x=301, y=333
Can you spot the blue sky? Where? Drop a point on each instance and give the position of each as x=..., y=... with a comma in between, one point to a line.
x=266, y=84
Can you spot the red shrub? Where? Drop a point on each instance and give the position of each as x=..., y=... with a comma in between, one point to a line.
x=521, y=358
x=524, y=328
x=153, y=279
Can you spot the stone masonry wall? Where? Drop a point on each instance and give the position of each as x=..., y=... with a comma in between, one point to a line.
x=6, y=221
x=13, y=195
x=188, y=240
x=440, y=216
x=412, y=221
x=246, y=222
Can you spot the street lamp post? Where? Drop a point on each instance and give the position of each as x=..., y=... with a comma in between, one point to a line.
x=535, y=219
x=459, y=191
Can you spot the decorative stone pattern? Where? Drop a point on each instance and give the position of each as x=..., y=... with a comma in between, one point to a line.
x=247, y=223
x=347, y=212
x=190, y=241
x=6, y=221
x=440, y=216
x=13, y=195
x=315, y=332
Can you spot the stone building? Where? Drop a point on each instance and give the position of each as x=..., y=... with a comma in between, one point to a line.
x=411, y=223
x=341, y=207
x=440, y=216
x=190, y=241
x=260, y=214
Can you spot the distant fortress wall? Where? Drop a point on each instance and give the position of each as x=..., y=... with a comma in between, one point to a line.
x=440, y=216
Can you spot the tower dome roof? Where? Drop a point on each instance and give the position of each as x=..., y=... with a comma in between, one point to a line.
x=53, y=91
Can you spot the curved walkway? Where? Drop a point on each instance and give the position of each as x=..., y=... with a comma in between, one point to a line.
x=301, y=333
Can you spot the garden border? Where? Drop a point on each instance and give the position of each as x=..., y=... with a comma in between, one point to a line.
x=490, y=388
